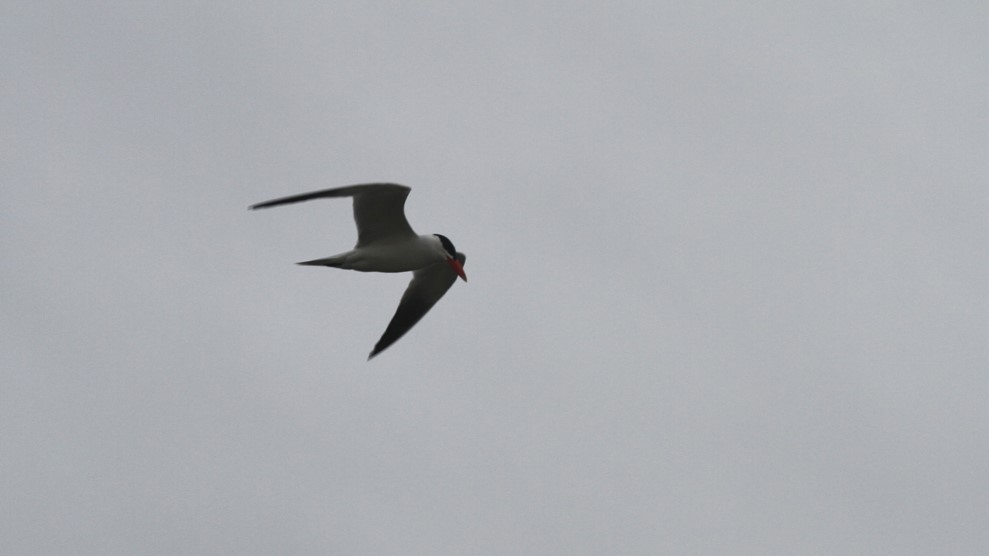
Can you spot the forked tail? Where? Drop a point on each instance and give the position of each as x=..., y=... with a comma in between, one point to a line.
x=336, y=261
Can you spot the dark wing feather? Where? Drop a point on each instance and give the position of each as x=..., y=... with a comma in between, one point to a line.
x=428, y=285
x=379, y=209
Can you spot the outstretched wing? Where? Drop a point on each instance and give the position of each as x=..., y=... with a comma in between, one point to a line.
x=379, y=209
x=428, y=285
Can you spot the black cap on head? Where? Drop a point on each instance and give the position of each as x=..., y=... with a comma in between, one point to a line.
x=447, y=245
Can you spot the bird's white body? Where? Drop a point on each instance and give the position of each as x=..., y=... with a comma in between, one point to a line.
x=386, y=243
x=403, y=254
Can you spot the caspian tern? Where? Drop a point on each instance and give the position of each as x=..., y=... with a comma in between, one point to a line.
x=386, y=243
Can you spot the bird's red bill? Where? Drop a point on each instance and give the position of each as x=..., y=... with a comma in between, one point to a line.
x=458, y=268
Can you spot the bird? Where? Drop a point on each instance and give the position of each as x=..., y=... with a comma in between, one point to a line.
x=387, y=243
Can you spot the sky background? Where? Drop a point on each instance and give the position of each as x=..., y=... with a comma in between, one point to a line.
x=729, y=278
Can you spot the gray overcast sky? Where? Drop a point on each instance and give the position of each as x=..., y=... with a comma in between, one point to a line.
x=728, y=278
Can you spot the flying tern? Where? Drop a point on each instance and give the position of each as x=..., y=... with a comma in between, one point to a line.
x=386, y=243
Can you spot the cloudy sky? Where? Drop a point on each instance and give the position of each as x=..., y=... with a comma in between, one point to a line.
x=728, y=278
